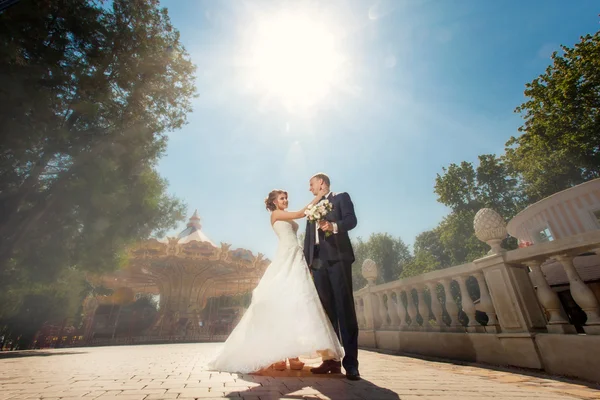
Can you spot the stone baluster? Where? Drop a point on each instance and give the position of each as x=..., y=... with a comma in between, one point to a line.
x=411, y=308
x=360, y=317
x=370, y=302
x=467, y=304
x=382, y=311
x=370, y=311
x=363, y=312
x=423, y=308
x=392, y=311
x=451, y=306
x=557, y=323
x=486, y=304
x=402, y=312
x=436, y=306
x=582, y=294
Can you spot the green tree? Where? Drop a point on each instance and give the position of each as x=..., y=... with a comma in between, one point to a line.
x=136, y=317
x=560, y=142
x=457, y=236
x=388, y=252
x=467, y=188
x=429, y=254
x=91, y=91
x=431, y=242
x=422, y=262
x=39, y=303
x=452, y=242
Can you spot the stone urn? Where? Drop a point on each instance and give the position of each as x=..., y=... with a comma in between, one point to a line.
x=490, y=228
x=369, y=271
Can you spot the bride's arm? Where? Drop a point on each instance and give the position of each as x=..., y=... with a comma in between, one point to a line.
x=279, y=215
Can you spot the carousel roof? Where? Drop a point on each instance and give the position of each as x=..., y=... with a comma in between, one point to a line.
x=193, y=232
x=190, y=256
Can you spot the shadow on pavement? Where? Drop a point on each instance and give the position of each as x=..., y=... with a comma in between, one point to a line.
x=305, y=385
x=36, y=353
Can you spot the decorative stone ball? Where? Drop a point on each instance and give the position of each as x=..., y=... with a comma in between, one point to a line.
x=369, y=270
x=489, y=225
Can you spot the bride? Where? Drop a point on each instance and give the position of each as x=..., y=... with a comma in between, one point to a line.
x=285, y=318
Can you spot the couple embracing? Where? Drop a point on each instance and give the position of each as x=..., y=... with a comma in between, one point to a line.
x=304, y=303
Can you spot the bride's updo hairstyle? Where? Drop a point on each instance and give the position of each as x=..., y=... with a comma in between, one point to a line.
x=270, y=200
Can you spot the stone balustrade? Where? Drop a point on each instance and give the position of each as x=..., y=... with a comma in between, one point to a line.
x=565, y=251
x=498, y=309
x=426, y=303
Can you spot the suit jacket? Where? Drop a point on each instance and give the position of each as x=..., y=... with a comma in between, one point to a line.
x=336, y=247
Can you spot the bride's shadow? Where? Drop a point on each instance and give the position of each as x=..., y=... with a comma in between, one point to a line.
x=305, y=385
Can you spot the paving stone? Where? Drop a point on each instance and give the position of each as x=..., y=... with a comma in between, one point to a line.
x=179, y=371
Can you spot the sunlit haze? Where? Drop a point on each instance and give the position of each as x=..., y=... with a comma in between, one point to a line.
x=381, y=95
x=293, y=59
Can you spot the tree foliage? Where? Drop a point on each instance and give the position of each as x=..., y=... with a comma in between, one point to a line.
x=422, y=262
x=28, y=307
x=457, y=236
x=560, y=142
x=136, y=317
x=452, y=242
x=464, y=187
x=91, y=91
x=388, y=252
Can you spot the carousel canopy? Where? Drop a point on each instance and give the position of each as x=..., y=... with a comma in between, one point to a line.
x=188, y=267
x=193, y=232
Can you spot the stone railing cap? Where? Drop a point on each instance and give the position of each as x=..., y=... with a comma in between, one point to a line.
x=571, y=244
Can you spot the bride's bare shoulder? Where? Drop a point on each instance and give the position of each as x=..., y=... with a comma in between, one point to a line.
x=274, y=218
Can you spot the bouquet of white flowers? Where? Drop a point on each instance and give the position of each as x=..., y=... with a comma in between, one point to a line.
x=317, y=212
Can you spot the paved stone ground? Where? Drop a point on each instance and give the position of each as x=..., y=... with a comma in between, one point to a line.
x=179, y=372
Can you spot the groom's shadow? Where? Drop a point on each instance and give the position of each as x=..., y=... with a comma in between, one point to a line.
x=305, y=385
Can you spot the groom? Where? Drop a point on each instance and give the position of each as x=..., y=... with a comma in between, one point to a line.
x=330, y=259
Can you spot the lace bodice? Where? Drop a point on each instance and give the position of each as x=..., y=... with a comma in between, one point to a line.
x=287, y=232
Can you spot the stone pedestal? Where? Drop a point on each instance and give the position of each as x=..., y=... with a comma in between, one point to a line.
x=513, y=296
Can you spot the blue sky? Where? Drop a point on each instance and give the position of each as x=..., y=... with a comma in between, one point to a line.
x=419, y=84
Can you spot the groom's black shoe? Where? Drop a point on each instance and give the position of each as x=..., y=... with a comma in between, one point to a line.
x=328, y=367
x=352, y=374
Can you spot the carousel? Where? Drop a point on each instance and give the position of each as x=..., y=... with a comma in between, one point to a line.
x=183, y=288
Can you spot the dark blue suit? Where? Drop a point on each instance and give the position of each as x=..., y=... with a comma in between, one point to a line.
x=331, y=264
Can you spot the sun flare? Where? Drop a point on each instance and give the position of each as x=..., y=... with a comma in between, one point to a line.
x=294, y=59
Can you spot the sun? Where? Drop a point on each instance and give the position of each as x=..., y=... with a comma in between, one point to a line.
x=294, y=59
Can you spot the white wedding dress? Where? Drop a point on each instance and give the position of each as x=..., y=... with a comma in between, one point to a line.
x=285, y=318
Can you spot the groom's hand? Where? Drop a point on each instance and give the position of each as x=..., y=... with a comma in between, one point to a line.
x=326, y=226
